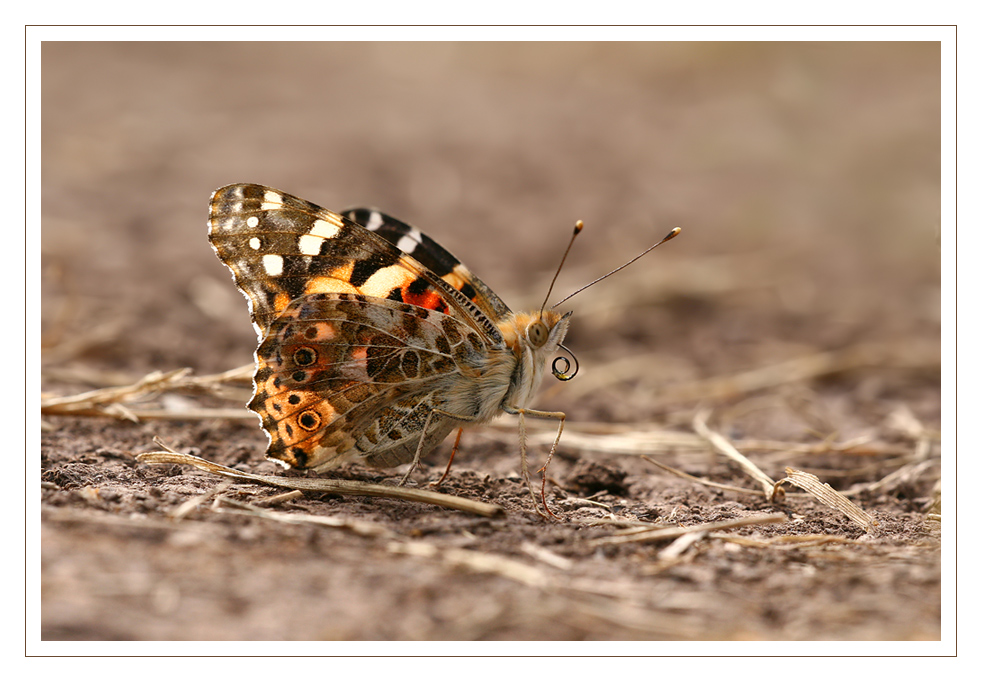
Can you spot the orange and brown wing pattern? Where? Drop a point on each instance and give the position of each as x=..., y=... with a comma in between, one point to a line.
x=280, y=247
x=433, y=257
x=359, y=340
x=344, y=376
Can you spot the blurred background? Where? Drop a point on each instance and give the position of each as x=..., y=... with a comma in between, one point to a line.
x=801, y=302
x=805, y=176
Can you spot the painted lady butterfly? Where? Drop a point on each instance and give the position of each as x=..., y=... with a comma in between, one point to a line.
x=375, y=342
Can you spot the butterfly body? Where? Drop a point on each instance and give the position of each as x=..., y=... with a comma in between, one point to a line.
x=375, y=342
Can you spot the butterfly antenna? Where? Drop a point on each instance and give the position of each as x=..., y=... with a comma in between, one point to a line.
x=576, y=230
x=670, y=235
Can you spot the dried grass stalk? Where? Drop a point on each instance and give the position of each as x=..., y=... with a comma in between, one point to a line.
x=192, y=414
x=328, y=485
x=193, y=503
x=107, y=401
x=724, y=447
x=640, y=439
x=279, y=499
x=825, y=494
x=643, y=438
x=701, y=481
x=110, y=402
x=680, y=546
x=545, y=556
x=479, y=562
x=672, y=533
x=785, y=541
x=363, y=528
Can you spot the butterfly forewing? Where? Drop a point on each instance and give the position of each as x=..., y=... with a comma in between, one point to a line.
x=280, y=247
x=432, y=256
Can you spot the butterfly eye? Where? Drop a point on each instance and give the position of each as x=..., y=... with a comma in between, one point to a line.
x=538, y=334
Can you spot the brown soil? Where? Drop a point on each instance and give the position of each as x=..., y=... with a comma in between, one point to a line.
x=806, y=178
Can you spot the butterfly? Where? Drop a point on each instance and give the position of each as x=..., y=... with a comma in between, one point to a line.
x=374, y=341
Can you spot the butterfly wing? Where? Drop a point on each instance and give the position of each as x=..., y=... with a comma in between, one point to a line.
x=432, y=256
x=359, y=340
x=280, y=247
x=344, y=376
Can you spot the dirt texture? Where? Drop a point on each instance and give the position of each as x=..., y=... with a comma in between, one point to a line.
x=797, y=316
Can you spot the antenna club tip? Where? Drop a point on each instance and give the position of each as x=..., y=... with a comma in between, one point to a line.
x=578, y=227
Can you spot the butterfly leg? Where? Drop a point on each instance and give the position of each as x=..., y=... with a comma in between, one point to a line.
x=456, y=444
x=537, y=414
x=426, y=426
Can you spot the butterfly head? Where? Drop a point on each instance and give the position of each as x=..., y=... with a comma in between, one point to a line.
x=546, y=330
x=540, y=332
x=531, y=338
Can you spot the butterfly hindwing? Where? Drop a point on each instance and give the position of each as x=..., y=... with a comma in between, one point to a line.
x=342, y=376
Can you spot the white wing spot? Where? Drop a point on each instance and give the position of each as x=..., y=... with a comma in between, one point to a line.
x=324, y=229
x=408, y=242
x=309, y=245
x=273, y=265
x=374, y=221
x=271, y=200
x=252, y=221
x=255, y=243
